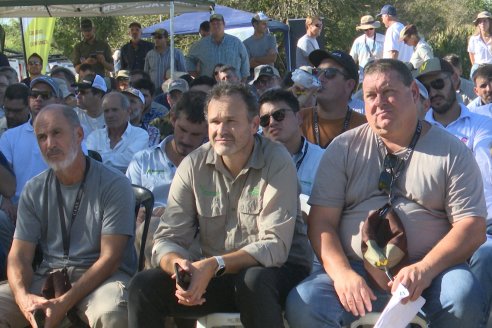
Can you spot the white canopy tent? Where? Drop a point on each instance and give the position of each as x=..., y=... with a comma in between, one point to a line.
x=93, y=8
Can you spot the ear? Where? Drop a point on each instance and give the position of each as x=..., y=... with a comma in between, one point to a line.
x=79, y=133
x=299, y=118
x=455, y=79
x=415, y=91
x=255, y=123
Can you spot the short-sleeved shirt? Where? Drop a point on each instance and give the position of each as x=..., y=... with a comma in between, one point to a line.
x=257, y=211
x=392, y=42
x=152, y=169
x=134, y=57
x=305, y=45
x=365, y=49
x=260, y=47
x=230, y=51
x=328, y=129
x=421, y=53
x=440, y=185
x=84, y=50
x=106, y=208
x=481, y=51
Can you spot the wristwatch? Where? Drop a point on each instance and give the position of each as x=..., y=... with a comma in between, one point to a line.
x=220, y=266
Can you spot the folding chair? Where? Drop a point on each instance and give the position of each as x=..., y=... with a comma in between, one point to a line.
x=145, y=198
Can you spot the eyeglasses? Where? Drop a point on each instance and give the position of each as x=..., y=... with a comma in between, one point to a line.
x=318, y=25
x=330, y=72
x=278, y=115
x=386, y=177
x=45, y=95
x=436, y=84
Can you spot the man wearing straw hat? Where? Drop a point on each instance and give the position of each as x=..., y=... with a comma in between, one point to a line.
x=368, y=46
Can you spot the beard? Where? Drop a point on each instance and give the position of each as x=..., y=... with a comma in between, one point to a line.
x=446, y=105
x=65, y=163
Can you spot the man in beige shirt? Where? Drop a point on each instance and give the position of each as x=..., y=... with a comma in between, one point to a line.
x=240, y=192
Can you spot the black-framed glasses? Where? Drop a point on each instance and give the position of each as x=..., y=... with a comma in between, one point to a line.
x=330, y=72
x=387, y=175
x=45, y=95
x=437, y=84
x=278, y=115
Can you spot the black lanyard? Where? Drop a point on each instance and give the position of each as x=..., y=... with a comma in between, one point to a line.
x=345, y=126
x=304, y=152
x=372, y=52
x=408, y=153
x=75, y=210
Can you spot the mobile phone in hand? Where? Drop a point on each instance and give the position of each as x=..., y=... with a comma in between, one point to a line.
x=39, y=317
x=183, y=278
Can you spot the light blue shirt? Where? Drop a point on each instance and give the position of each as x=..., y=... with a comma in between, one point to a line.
x=476, y=133
x=231, y=51
x=152, y=169
x=307, y=162
x=157, y=64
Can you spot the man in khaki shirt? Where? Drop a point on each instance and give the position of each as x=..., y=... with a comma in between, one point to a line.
x=240, y=192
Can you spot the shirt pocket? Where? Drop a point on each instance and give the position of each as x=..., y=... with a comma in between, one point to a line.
x=212, y=221
x=249, y=209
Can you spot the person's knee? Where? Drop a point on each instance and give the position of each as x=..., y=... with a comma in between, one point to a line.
x=256, y=281
x=117, y=318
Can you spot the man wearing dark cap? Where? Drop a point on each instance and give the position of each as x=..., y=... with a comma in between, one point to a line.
x=204, y=29
x=261, y=46
x=92, y=51
x=475, y=131
x=265, y=77
x=216, y=48
x=158, y=60
x=133, y=53
x=393, y=47
x=90, y=91
x=332, y=115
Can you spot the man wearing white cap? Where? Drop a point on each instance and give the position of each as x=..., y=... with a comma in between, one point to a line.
x=90, y=91
x=137, y=103
x=119, y=140
x=368, y=46
x=261, y=46
x=393, y=47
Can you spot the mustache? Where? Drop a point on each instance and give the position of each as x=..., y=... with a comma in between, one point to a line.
x=54, y=151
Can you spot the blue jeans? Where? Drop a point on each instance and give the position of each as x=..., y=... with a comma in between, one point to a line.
x=453, y=300
x=481, y=267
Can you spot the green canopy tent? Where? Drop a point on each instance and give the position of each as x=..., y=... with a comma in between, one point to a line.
x=93, y=8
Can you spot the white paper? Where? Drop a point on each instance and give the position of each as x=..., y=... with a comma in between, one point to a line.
x=396, y=314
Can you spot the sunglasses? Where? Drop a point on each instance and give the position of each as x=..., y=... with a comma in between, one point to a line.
x=278, y=115
x=386, y=177
x=437, y=84
x=330, y=73
x=318, y=25
x=45, y=95
x=369, y=29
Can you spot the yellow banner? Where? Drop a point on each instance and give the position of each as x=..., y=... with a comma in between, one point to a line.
x=38, y=33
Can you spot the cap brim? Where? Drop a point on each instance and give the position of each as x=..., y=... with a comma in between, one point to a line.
x=317, y=56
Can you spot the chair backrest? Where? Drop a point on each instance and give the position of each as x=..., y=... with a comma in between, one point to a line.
x=145, y=198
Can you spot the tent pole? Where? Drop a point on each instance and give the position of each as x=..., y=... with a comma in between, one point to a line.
x=23, y=47
x=171, y=32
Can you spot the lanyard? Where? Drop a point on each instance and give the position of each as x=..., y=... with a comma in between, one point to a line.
x=397, y=171
x=75, y=210
x=371, y=52
x=345, y=126
x=304, y=153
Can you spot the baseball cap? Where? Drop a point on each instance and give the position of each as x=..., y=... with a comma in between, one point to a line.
x=410, y=29
x=266, y=70
x=387, y=10
x=92, y=81
x=86, y=25
x=50, y=82
x=434, y=65
x=340, y=57
x=422, y=90
x=62, y=84
x=161, y=32
x=135, y=92
x=123, y=74
x=259, y=17
x=175, y=84
x=216, y=16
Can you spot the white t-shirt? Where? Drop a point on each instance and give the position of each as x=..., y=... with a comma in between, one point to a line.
x=392, y=42
x=305, y=46
x=482, y=53
x=89, y=124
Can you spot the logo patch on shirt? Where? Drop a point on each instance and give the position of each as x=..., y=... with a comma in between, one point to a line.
x=209, y=193
x=255, y=191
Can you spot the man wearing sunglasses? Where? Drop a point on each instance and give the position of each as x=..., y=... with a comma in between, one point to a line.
x=475, y=131
x=19, y=144
x=332, y=115
x=280, y=121
x=158, y=60
x=308, y=43
x=434, y=186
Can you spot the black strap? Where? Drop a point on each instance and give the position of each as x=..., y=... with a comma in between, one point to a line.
x=304, y=152
x=345, y=125
x=66, y=232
